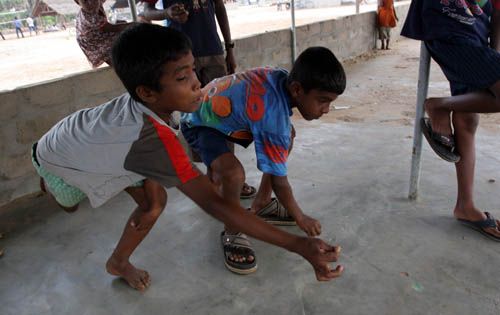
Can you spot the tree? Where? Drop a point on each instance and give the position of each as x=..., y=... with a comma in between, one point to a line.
x=6, y=5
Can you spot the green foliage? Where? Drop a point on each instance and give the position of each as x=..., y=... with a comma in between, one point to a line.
x=6, y=18
x=6, y=5
x=48, y=20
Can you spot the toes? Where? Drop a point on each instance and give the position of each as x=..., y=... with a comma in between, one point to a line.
x=146, y=279
x=140, y=281
x=241, y=259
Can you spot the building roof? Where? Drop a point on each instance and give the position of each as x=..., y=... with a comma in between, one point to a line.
x=59, y=7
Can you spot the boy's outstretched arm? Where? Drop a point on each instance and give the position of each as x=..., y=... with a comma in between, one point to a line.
x=283, y=191
x=317, y=252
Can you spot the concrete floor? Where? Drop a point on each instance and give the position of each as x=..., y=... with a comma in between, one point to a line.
x=400, y=257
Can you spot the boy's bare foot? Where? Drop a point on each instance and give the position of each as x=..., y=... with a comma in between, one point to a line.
x=136, y=278
x=440, y=119
x=476, y=215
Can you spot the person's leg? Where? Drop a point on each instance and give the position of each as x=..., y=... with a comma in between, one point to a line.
x=208, y=69
x=151, y=200
x=381, y=37
x=264, y=193
x=227, y=173
x=476, y=67
x=439, y=109
x=68, y=209
x=17, y=32
x=387, y=44
x=465, y=125
x=66, y=196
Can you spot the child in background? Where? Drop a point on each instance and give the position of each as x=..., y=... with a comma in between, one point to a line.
x=386, y=20
x=94, y=34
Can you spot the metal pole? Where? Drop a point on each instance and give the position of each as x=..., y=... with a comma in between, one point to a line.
x=133, y=9
x=423, y=87
x=294, y=37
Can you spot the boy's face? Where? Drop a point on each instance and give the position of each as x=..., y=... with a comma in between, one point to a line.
x=314, y=104
x=179, y=88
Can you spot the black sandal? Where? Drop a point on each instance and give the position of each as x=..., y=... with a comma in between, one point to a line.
x=444, y=146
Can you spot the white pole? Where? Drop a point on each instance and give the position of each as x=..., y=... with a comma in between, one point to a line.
x=423, y=87
x=133, y=9
x=294, y=37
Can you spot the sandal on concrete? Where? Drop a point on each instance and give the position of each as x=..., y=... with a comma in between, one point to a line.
x=248, y=192
x=481, y=225
x=238, y=244
x=276, y=214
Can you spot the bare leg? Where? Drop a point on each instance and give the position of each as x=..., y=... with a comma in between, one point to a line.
x=151, y=200
x=227, y=173
x=465, y=125
x=66, y=209
x=439, y=109
x=263, y=197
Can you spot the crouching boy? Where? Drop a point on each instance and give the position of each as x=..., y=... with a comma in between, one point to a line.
x=255, y=106
x=125, y=144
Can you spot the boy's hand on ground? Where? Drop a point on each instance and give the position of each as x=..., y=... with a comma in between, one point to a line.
x=311, y=226
x=319, y=254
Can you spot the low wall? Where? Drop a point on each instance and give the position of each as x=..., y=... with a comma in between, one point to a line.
x=28, y=112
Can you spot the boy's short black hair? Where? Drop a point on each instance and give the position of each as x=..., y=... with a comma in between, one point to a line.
x=140, y=52
x=318, y=68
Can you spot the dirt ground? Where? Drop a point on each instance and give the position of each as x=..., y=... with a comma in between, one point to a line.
x=53, y=55
x=389, y=97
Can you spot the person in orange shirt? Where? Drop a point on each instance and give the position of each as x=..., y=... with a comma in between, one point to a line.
x=387, y=19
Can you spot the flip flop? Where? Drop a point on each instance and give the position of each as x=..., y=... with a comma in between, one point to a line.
x=444, y=146
x=480, y=225
x=276, y=214
x=248, y=192
x=240, y=245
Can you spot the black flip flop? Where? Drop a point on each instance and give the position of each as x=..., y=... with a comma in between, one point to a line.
x=480, y=225
x=444, y=146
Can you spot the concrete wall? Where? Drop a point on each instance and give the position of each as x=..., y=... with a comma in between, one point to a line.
x=28, y=112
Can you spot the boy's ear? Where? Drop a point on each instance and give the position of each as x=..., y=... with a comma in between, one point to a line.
x=296, y=89
x=146, y=94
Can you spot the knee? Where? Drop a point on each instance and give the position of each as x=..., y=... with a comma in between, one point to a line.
x=227, y=171
x=233, y=176
x=144, y=219
x=467, y=122
x=156, y=206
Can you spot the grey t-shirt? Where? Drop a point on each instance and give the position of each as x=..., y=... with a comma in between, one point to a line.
x=103, y=150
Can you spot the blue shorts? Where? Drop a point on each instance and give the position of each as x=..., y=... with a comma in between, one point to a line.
x=468, y=68
x=208, y=143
